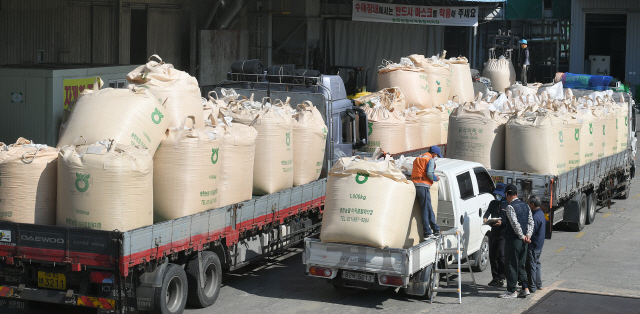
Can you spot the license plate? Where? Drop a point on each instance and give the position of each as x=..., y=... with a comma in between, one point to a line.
x=357, y=276
x=52, y=280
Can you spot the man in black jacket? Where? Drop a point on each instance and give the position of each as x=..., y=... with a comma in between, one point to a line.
x=496, y=237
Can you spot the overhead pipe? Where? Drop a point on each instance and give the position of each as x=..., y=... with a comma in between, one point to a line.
x=230, y=12
x=212, y=13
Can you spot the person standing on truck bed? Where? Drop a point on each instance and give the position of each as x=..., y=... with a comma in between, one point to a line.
x=516, y=240
x=496, y=237
x=423, y=177
x=534, y=273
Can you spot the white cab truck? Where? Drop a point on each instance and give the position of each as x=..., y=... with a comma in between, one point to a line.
x=465, y=191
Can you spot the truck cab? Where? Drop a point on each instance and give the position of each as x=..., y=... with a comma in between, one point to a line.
x=464, y=194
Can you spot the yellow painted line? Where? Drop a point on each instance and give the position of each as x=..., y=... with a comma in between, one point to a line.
x=560, y=249
x=607, y=215
x=579, y=235
x=636, y=196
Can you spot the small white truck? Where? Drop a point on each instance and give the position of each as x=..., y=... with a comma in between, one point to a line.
x=465, y=191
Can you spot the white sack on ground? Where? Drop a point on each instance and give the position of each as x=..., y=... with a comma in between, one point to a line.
x=28, y=174
x=179, y=89
x=367, y=203
x=105, y=186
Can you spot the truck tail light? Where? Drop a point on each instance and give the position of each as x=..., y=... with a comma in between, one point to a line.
x=391, y=280
x=320, y=271
x=101, y=277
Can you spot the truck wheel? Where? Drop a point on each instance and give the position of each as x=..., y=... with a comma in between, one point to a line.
x=481, y=257
x=578, y=226
x=591, y=217
x=203, y=297
x=172, y=296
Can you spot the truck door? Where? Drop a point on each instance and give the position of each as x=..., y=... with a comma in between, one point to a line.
x=485, y=195
x=467, y=210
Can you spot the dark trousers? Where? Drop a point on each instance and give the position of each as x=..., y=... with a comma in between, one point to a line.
x=515, y=253
x=428, y=216
x=496, y=256
x=534, y=273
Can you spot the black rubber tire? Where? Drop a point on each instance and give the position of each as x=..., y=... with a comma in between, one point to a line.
x=591, y=213
x=481, y=257
x=432, y=277
x=578, y=226
x=171, y=298
x=204, y=297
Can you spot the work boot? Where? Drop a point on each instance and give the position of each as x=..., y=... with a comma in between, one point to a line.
x=493, y=282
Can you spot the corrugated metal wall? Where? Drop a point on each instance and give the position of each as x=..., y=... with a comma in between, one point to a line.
x=63, y=30
x=579, y=8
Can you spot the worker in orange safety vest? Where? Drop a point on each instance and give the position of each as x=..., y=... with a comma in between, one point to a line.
x=423, y=177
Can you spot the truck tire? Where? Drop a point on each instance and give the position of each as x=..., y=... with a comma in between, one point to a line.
x=204, y=297
x=172, y=296
x=433, y=278
x=591, y=214
x=481, y=257
x=578, y=226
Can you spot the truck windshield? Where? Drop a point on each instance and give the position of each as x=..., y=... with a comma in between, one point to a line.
x=485, y=183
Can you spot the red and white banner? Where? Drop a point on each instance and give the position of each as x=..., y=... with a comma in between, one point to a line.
x=414, y=14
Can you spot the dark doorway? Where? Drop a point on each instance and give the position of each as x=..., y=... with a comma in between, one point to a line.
x=138, y=44
x=606, y=35
x=456, y=41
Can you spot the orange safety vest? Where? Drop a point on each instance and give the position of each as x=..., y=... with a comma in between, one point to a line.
x=419, y=173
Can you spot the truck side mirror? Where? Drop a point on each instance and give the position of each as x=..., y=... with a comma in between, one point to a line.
x=360, y=127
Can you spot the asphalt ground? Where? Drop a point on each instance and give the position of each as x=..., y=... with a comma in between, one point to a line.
x=602, y=259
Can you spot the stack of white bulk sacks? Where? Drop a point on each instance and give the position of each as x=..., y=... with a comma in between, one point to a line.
x=438, y=77
x=445, y=111
x=177, y=89
x=413, y=131
x=28, y=174
x=386, y=129
x=391, y=98
x=131, y=116
x=622, y=122
x=237, y=156
x=500, y=71
x=461, y=81
x=186, y=171
x=412, y=80
x=477, y=135
x=430, y=126
x=606, y=109
x=309, y=142
x=105, y=186
x=368, y=203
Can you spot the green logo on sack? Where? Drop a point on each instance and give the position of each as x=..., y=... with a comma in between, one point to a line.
x=616, y=124
x=370, y=128
x=603, y=129
x=577, y=135
x=85, y=179
x=590, y=128
x=288, y=139
x=157, y=114
x=214, y=152
x=363, y=175
x=625, y=121
x=561, y=137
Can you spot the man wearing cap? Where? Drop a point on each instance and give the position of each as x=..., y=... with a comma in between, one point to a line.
x=496, y=237
x=423, y=177
x=518, y=232
x=524, y=61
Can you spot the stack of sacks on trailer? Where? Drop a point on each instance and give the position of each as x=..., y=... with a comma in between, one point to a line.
x=273, y=163
x=104, y=186
x=368, y=202
x=408, y=77
x=438, y=76
x=187, y=171
x=178, y=90
x=461, y=81
x=386, y=127
x=28, y=175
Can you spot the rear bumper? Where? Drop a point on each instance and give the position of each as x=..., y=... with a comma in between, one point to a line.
x=57, y=297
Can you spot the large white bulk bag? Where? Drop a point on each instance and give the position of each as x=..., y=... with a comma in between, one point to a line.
x=237, y=160
x=186, y=171
x=386, y=130
x=105, y=186
x=500, y=72
x=461, y=81
x=477, y=135
x=309, y=142
x=367, y=203
x=535, y=143
x=599, y=131
x=571, y=131
x=588, y=151
x=411, y=80
x=445, y=111
x=438, y=77
x=430, y=126
x=622, y=123
x=130, y=116
x=177, y=89
x=391, y=98
x=610, y=132
x=273, y=165
x=28, y=174
x=412, y=129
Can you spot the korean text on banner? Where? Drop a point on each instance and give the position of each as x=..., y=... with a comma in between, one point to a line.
x=73, y=88
x=413, y=14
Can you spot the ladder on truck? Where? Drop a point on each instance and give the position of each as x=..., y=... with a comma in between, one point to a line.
x=443, y=254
